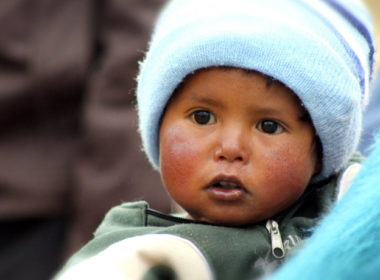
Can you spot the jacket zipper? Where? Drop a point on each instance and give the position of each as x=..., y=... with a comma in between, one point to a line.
x=278, y=250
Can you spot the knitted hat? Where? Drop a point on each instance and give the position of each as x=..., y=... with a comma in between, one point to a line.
x=322, y=49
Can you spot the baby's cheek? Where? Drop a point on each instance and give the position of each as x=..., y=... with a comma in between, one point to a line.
x=288, y=172
x=178, y=158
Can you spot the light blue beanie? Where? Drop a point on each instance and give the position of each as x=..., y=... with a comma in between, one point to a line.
x=322, y=49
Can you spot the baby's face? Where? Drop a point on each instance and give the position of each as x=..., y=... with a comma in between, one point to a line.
x=233, y=150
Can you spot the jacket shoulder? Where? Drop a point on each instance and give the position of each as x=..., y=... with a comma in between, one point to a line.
x=123, y=221
x=125, y=215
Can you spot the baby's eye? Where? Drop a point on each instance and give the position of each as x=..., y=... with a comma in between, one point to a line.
x=270, y=127
x=203, y=117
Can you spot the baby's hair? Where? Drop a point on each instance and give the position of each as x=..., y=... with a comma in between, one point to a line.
x=270, y=80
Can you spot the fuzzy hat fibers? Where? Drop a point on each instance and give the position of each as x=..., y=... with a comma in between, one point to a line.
x=322, y=49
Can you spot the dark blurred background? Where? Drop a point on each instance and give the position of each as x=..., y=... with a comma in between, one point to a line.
x=69, y=149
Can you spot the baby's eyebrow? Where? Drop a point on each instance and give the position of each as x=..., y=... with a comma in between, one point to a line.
x=272, y=112
x=208, y=101
x=268, y=111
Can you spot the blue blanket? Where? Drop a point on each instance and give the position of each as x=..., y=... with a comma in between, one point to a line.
x=346, y=244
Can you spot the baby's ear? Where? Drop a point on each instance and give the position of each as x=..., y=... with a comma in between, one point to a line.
x=318, y=167
x=317, y=145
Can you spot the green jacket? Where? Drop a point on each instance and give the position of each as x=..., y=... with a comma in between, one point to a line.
x=232, y=252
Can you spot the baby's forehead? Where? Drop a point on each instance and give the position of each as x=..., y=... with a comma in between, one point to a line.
x=209, y=80
x=269, y=80
x=249, y=72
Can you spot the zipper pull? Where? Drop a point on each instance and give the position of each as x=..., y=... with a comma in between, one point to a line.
x=278, y=250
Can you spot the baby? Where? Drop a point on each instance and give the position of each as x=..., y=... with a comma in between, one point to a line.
x=235, y=150
x=251, y=111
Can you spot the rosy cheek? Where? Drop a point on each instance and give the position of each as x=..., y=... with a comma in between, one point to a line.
x=178, y=159
x=288, y=170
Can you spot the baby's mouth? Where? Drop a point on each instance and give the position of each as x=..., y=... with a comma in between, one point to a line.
x=226, y=185
x=226, y=188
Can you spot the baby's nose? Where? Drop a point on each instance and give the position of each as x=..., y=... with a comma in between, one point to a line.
x=232, y=147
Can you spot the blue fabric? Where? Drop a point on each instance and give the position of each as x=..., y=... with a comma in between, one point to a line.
x=357, y=23
x=371, y=120
x=314, y=47
x=346, y=244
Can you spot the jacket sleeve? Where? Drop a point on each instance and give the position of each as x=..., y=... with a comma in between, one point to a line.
x=133, y=258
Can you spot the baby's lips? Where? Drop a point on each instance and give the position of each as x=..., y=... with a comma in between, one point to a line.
x=226, y=182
